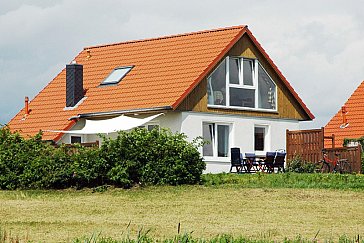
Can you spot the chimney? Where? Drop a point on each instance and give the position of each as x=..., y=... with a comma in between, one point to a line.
x=26, y=109
x=74, y=84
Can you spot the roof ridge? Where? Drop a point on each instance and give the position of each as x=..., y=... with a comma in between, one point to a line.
x=168, y=36
x=361, y=85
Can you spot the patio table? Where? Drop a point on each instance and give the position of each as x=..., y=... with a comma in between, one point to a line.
x=257, y=164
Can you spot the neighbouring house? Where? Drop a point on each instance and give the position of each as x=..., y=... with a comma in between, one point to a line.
x=348, y=122
x=219, y=84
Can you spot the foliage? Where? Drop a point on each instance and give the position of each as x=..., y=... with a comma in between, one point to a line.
x=139, y=156
x=298, y=165
x=152, y=158
x=22, y=161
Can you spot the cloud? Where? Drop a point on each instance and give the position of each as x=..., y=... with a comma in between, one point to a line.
x=316, y=44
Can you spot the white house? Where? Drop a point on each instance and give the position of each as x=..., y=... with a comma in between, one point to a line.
x=219, y=84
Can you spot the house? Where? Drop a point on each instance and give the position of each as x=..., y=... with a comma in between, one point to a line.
x=348, y=122
x=219, y=84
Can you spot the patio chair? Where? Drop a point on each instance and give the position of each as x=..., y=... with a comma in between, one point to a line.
x=279, y=162
x=236, y=160
x=269, y=161
x=250, y=162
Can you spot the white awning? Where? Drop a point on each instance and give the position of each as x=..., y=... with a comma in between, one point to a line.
x=120, y=123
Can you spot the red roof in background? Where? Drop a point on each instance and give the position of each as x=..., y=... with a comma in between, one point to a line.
x=166, y=70
x=355, y=117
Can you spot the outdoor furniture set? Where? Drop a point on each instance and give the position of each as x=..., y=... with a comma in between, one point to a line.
x=270, y=163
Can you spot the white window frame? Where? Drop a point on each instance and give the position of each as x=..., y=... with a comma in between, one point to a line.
x=150, y=124
x=215, y=140
x=241, y=85
x=75, y=135
x=107, y=82
x=267, y=144
x=241, y=73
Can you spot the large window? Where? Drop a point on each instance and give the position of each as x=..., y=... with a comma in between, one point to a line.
x=217, y=136
x=217, y=86
x=241, y=83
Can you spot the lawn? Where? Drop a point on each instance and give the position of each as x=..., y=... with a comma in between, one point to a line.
x=206, y=211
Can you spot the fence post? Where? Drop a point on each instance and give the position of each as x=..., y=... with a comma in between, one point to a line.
x=359, y=158
x=333, y=140
x=288, y=142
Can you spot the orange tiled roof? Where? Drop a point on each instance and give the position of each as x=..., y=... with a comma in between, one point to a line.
x=355, y=117
x=166, y=70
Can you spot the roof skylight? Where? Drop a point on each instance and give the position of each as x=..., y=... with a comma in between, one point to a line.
x=117, y=75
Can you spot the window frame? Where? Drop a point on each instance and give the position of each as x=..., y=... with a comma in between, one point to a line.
x=103, y=83
x=75, y=136
x=266, y=138
x=149, y=124
x=215, y=138
x=241, y=85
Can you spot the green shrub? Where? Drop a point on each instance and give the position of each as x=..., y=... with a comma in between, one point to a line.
x=139, y=156
x=152, y=158
x=22, y=161
x=298, y=165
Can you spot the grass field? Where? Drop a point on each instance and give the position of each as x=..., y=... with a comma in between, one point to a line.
x=269, y=212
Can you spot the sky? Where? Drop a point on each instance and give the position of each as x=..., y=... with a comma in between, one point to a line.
x=317, y=44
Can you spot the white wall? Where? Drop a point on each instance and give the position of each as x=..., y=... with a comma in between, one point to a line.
x=241, y=134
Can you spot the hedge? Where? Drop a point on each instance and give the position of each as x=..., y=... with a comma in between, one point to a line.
x=137, y=157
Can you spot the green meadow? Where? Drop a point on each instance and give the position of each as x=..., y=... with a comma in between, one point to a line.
x=258, y=207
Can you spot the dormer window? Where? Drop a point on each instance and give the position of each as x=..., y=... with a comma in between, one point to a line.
x=241, y=83
x=116, y=75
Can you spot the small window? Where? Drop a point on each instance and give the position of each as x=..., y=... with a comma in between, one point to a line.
x=259, y=138
x=116, y=75
x=248, y=70
x=234, y=70
x=75, y=139
x=151, y=127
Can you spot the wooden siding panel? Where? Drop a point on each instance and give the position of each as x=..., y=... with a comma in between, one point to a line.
x=288, y=107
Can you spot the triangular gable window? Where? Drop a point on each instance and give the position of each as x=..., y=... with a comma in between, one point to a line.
x=241, y=83
x=116, y=75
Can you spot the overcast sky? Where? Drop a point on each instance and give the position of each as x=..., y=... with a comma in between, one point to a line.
x=318, y=45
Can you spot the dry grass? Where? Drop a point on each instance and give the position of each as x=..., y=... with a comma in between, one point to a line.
x=61, y=216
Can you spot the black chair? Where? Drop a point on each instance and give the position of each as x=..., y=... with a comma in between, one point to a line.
x=279, y=162
x=269, y=161
x=236, y=160
x=250, y=162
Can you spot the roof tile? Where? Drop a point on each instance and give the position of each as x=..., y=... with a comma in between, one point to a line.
x=355, y=117
x=165, y=70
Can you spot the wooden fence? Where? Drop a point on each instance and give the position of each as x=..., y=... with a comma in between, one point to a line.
x=308, y=144
x=352, y=154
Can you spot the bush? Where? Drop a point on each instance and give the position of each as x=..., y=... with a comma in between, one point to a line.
x=298, y=165
x=152, y=158
x=22, y=161
x=139, y=156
